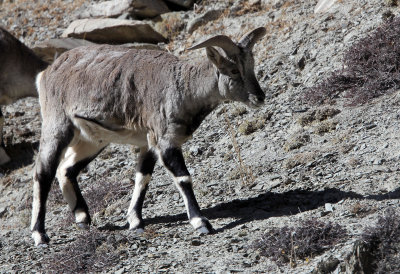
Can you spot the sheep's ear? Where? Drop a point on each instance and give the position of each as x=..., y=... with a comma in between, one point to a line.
x=215, y=57
x=222, y=64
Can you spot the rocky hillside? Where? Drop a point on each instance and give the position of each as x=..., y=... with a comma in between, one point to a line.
x=291, y=187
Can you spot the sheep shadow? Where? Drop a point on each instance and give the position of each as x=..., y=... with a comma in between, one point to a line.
x=22, y=154
x=272, y=204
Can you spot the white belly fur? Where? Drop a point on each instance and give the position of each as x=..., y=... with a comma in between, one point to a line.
x=94, y=132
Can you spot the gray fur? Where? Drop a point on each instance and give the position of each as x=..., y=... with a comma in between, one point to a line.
x=148, y=98
x=18, y=69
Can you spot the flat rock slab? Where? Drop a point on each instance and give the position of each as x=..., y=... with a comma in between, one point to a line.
x=50, y=49
x=113, y=31
x=115, y=8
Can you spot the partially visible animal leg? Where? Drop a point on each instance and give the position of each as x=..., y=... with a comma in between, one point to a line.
x=145, y=167
x=76, y=158
x=4, y=158
x=173, y=160
x=52, y=147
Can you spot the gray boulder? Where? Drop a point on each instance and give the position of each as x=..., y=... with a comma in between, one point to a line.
x=115, y=8
x=50, y=49
x=113, y=31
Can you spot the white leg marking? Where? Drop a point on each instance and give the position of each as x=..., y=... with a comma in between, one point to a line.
x=188, y=180
x=80, y=216
x=196, y=222
x=35, y=203
x=140, y=184
x=65, y=184
x=37, y=238
x=79, y=151
x=181, y=179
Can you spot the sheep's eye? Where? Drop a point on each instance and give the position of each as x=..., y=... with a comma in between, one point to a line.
x=235, y=71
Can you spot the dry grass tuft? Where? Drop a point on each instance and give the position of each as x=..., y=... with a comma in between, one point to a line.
x=246, y=174
x=248, y=7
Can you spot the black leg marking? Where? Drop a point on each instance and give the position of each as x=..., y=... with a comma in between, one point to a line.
x=44, y=189
x=175, y=163
x=147, y=162
x=187, y=191
x=145, y=168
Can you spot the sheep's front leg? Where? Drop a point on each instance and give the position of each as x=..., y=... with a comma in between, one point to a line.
x=173, y=160
x=147, y=161
x=4, y=158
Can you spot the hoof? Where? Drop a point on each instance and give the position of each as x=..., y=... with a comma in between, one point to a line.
x=202, y=225
x=82, y=226
x=41, y=239
x=138, y=231
x=204, y=230
x=136, y=224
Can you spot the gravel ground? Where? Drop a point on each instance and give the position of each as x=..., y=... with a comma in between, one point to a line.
x=252, y=169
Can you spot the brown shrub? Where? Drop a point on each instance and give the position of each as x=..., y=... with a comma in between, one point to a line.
x=383, y=242
x=371, y=68
x=288, y=244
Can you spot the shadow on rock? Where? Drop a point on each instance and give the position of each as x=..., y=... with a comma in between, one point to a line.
x=22, y=154
x=272, y=204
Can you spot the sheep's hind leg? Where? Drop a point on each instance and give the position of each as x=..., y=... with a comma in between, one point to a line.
x=76, y=158
x=173, y=160
x=145, y=167
x=52, y=148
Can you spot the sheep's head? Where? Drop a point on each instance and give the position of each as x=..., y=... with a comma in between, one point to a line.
x=237, y=80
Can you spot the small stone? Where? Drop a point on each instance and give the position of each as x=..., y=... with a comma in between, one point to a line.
x=203, y=19
x=323, y=6
x=3, y=211
x=379, y=162
x=258, y=187
x=195, y=150
x=326, y=266
x=328, y=207
x=120, y=271
x=195, y=242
